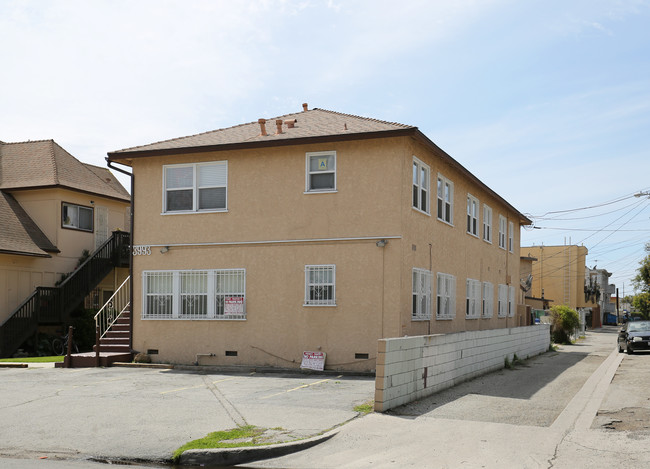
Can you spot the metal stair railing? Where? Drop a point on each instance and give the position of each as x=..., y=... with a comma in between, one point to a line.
x=113, y=309
x=50, y=305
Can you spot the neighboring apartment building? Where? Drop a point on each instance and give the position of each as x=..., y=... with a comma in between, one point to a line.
x=52, y=208
x=598, y=292
x=315, y=231
x=559, y=273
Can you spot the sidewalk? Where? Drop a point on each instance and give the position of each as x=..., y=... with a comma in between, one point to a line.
x=538, y=415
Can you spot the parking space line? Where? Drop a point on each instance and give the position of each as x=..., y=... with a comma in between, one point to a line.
x=197, y=386
x=299, y=387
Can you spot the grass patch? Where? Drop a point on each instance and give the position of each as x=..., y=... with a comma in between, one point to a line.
x=223, y=439
x=365, y=408
x=33, y=360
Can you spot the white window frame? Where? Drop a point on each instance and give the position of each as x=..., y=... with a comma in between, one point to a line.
x=487, y=305
x=421, y=198
x=309, y=285
x=217, y=303
x=73, y=220
x=511, y=237
x=472, y=215
x=445, y=296
x=472, y=299
x=502, y=304
x=511, y=301
x=195, y=187
x=422, y=280
x=503, y=226
x=309, y=172
x=445, y=192
x=487, y=223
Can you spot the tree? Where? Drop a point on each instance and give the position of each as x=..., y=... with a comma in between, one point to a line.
x=641, y=303
x=642, y=279
x=564, y=322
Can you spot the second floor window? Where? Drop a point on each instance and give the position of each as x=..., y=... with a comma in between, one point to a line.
x=420, y=186
x=487, y=223
x=503, y=223
x=76, y=217
x=196, y=187
x=321, y=171
x=472, y=215
x=445, y=200
x=511, y=237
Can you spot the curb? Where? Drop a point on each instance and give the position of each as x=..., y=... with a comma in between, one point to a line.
x=13, y=365
x=246, y=454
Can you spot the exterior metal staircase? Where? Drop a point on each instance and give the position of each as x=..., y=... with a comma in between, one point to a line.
x=53, y=305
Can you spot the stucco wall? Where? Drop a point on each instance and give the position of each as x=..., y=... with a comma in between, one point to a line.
x=20, y=275
x=410, y=368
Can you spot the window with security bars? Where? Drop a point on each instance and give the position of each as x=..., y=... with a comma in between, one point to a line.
x=194, y=294
x=422, y=280
x=502, y=303
x=320, y=285
x=446, y=296
x=487, y=307
x=472, y=298
x=196, y=187
x=511, y=301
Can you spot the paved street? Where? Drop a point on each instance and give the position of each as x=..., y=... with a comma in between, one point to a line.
x=572, y=408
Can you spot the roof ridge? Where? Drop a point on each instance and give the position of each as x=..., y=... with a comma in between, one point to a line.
x=372, y=119
x=28, y=141
x=53, y=160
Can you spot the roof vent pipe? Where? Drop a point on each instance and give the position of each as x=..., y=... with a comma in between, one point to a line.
x=262, y=123
x=304, y=107
x=278, y=126
x=291, y=123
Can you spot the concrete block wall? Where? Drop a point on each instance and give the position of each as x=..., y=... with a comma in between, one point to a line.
x=410, y=368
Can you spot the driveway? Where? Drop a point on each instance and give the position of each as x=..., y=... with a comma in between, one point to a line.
x=544, y=413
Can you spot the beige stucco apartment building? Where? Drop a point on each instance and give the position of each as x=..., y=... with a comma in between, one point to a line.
x=52, y=208
x=315, y=231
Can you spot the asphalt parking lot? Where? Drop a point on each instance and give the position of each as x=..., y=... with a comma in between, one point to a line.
x=146, y=414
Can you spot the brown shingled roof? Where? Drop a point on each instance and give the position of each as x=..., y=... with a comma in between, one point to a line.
x=309, y=125
x=20, y=235
x=44, y=163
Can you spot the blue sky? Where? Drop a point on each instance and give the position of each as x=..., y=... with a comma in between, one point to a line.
x=547, y=102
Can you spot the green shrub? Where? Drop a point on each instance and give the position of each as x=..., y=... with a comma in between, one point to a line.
x=564, y=322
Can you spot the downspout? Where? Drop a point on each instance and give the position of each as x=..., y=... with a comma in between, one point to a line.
x=110, y=165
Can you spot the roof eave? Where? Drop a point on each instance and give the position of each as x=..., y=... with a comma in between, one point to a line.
x=523, y=219
x=125, y=157
x=23, y=253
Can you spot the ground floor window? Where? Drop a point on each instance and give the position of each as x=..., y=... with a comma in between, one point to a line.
x=472, y=298
x=194, y=294
x=488, y=300
x=320, y=285
x=511, y=301
x=502, y=306
x=422, y=280
x=446, y=296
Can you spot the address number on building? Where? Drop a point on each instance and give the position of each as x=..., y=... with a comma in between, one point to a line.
x=141, y=250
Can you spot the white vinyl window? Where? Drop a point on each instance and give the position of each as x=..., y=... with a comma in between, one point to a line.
x=422, y=286
x=76, y=217
x=194, y=294
x=488, y=300
x=195, y=187
x=503, y=223
x=472, y=215
x=320, y=285
x=446, y=296
x=511, y=301
x=421, y=175
x=472, y=298
x=487, y=223
x=502, y=304
x=511, y=237
x=320, y=171
x=445, y=200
